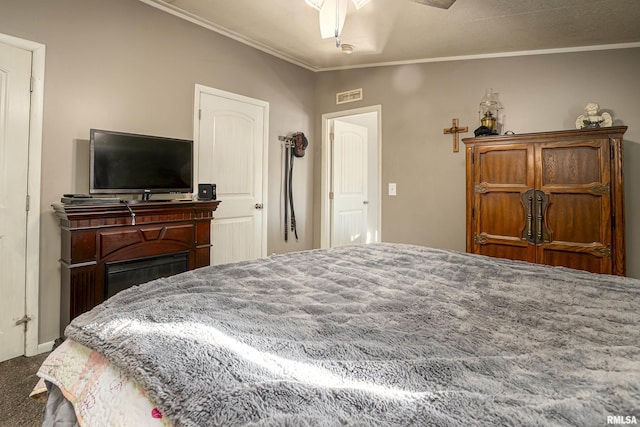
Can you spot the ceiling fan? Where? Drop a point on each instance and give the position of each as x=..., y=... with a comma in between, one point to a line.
x=333, y=13
x=442, y=4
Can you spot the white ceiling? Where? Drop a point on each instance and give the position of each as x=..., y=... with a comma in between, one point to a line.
x=400, y=31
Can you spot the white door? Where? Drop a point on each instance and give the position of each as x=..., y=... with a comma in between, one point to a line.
x=15, y=81
x=232, y=147
x=349, y=179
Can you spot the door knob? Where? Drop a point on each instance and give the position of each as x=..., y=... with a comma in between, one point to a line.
x=259, y=206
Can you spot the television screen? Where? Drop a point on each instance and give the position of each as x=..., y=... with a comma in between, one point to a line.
x=130, y=163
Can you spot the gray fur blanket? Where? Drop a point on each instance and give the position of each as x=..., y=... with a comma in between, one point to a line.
x=381, y=334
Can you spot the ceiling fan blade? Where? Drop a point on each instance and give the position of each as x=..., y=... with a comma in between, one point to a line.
x=442, y=4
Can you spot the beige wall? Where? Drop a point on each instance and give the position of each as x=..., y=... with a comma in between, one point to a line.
x=539, y=93
x=123, y=65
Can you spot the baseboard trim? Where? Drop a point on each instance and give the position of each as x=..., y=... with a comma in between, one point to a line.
x=45, y=347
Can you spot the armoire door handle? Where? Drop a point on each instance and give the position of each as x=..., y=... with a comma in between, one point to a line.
x=527, y=201
x=530, y=218
x=539, y=217
x=542, y=201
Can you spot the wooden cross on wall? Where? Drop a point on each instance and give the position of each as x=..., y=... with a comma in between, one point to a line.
x=454, y=131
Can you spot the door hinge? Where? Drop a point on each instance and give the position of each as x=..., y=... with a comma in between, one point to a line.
x=23, y=321
x=330, y=195
x=602, y=189
x=478, y=188
x=200, y=114
x=613, y=222
x=331, y=136
x=612, y=151
x=473, y=212
x=603, y=251
x=28, y=203
x=479, y=239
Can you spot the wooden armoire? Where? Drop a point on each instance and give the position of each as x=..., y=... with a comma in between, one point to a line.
x=553, y=198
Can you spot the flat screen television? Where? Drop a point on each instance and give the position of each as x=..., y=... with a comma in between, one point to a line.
x=126, y=163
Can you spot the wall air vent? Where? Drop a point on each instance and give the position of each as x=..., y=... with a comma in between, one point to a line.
x=349, y=96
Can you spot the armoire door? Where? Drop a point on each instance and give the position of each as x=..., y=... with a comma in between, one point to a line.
x=576, y=178
x=501, y=175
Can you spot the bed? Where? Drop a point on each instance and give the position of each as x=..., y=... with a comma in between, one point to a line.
x=380, y=334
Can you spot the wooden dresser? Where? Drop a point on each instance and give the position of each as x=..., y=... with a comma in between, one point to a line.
x=126, y=245
x=553, y=198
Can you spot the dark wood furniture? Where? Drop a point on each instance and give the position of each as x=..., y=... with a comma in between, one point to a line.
x=96, y=236
x=553, y=198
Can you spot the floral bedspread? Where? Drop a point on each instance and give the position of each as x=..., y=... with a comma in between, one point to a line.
x=99, y=392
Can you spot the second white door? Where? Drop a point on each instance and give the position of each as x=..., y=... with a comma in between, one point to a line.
x=232, y=144
x=349, y=180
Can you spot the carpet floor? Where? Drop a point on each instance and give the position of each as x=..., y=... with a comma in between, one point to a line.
x=17, y=379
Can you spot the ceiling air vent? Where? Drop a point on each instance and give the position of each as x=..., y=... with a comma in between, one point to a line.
x=349, y=96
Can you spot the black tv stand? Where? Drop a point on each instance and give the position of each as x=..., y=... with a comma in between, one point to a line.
x=147, y=200
x=146, y=197
x=89, y=200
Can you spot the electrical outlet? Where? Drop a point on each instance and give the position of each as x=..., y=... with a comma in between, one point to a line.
x=392, y=189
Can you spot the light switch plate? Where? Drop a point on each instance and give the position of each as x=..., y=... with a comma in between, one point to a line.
x=392, y=189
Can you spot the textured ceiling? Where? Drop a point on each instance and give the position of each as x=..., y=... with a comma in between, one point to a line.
x=398, y=31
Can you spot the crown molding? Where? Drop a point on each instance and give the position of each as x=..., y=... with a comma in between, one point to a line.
x=180, y=13
x=490, y=56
